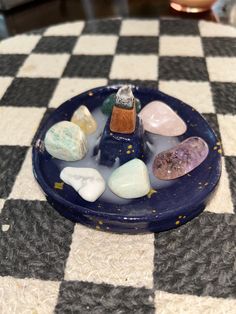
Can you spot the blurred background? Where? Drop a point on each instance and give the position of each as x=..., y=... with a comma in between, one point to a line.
x=18, y=16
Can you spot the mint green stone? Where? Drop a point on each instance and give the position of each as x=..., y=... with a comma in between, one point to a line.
x=66, y=141
x=110, y=101
x=131, y=180
x=108, y=104
x=138, y=105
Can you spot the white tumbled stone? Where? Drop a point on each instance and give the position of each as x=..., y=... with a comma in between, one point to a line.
x=88, y=182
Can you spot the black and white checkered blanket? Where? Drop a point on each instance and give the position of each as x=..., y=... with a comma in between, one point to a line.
x=48, y=263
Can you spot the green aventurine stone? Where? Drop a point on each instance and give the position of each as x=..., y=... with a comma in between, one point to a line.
x=66, y=141
x=131, y=180
x=110, y=101
x=108, y=104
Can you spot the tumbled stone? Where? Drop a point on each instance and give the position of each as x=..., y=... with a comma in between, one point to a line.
x=88, y=182
x=66, y=141
x=158, y=118
x=84, y=119
x=181, y=159
x=130, y=180
x=110, y=101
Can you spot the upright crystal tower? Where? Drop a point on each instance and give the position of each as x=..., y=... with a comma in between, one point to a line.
x=123, y=135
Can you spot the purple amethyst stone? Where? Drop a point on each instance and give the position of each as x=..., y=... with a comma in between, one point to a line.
x=181, y=159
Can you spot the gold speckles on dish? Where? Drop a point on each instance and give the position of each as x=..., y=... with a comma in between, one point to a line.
x=220, y=151
x=179, y=219
x=130, y=146
x=151, y=192
x=128, y=152
x=100, y=222
x=90, y=93
x=58, y=185
x=98, y=228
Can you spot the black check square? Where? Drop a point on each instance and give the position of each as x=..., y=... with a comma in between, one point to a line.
x=231, y=169
x=198, y=258
x=179, y=27
x=88, y=66
x=102, y=27
x=38, y=241
x=183, y=68
x=137, y=44
x=29, y=92
x=224, y=97
x=10, y=64
x=219, y=46
x=213, y=122
x=11, y=159
x=85, y=297
x=56, y=44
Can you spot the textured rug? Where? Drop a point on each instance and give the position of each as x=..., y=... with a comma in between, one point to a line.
x=49, y=264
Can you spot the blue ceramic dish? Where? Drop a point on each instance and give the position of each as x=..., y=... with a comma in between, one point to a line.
x=169, y=208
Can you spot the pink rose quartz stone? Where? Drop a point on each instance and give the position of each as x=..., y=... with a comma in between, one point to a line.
x=181, y=159
x=158, y=118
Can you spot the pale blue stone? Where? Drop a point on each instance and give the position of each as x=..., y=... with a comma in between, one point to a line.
x=130, y=180
x=66, y=141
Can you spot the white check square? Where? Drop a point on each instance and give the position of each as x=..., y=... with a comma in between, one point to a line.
x=25, y=186
x=222, y=193
x=22, y=44
x=43, y=65
x=211, y=29
x=4, y=84
x=111, y=258
x=221, y=69
x=195, y=94
x=96, y=45
x=18, y=125
x=132, y=27
x=2, y=201
x=69, y=87
x=166, y=303
x=181, y=46
x=134, y=67
x=27, y=295
x=227, y=125
x=65, y=29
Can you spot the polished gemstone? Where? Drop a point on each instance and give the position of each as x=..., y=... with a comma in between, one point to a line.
x=66, y=141
x=158, y=118
x=181, y=159
x=130, y=180
x=125, y=97
x=123, y=120
x=88, y=182
x=84, y=119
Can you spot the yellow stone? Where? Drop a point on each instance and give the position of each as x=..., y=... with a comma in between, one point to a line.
x=84, y=119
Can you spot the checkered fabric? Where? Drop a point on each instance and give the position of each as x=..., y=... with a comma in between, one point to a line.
x=49, y=264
